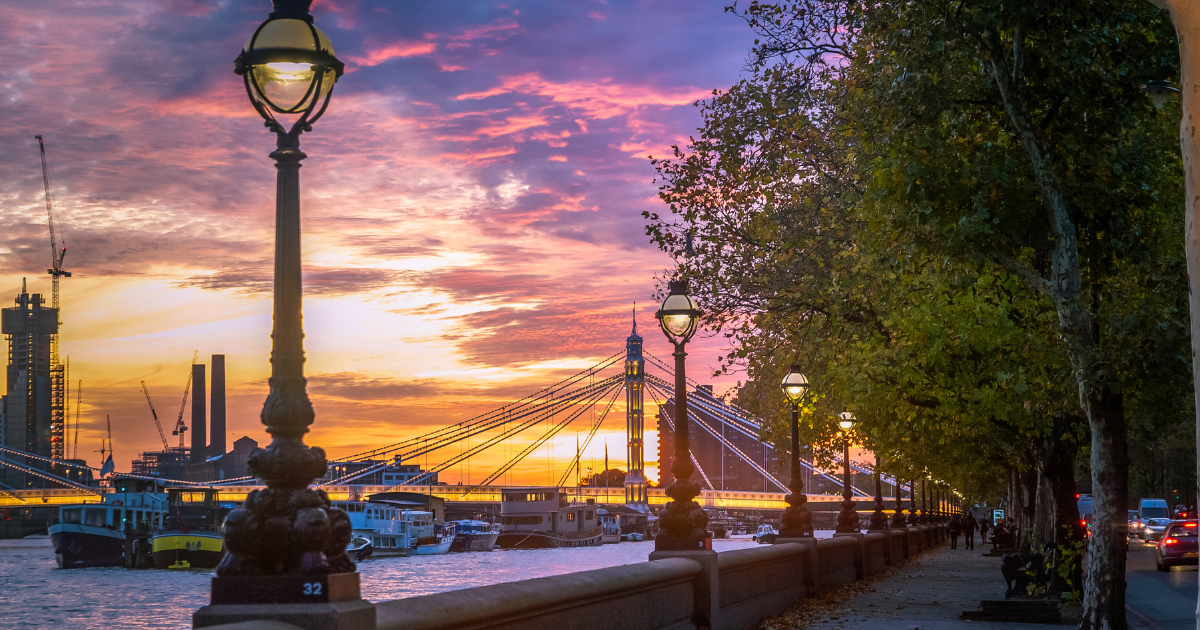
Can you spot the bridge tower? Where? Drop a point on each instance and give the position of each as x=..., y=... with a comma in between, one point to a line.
x=635, y=383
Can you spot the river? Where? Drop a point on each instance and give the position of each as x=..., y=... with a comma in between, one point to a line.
x=34, y=593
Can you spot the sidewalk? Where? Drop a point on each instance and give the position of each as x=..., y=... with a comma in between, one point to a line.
x=927, y=592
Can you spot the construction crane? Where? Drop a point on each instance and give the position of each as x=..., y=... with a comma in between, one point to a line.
x=78, y=404
x=56, y=255
x=161, y=435
x=58, y=377
x=180, y=428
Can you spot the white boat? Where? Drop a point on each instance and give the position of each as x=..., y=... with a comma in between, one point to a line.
x=474, y=535
x=393, y=530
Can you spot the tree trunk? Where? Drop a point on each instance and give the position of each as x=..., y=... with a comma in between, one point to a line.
x=1104, y=589
x=1043, y=534
x=1186, y=16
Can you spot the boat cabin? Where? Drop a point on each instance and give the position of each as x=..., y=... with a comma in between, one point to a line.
x=544, y=509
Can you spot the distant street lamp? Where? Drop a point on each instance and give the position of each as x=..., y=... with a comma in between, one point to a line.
x=289, y=68
x=683, y=523
x=924, y=495
x=847, y=520
x=879, y=520
x=797, y=521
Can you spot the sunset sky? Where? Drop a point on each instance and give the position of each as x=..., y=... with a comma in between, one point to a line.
x=471, y=203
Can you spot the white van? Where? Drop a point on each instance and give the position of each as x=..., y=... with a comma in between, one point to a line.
x=1153, y=508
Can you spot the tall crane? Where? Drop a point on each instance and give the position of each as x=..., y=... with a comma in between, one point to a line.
x=180, y=428
x=161, y=435
x=78, y=404
x=58, y=378
x=56, y=255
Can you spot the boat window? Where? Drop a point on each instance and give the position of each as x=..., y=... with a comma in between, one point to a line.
x=588, y=516
x=570, y=517
x=72, y=515
x=97, y=517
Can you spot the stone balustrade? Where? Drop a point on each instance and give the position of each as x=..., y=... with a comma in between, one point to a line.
x=672, y=593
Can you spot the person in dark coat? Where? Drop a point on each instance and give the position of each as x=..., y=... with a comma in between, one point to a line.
x=968, y=527
x=954, y=528
x=983, y=530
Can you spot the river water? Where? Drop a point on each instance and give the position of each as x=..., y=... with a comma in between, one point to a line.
x=34, y=593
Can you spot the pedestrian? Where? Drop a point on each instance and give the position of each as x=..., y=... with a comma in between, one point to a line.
x=968, y=527
x=983, y=530
x=954, y=526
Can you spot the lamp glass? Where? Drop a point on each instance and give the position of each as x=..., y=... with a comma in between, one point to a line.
x=290, y=86
x=794, y=385
x=678, y=316
x=846, y=425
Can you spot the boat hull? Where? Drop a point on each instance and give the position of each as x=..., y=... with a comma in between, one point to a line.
x=548, y=540
x=78, y=546
x=192, y=550
x=474, y=542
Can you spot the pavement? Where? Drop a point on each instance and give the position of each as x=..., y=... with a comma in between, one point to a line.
x=930, y=591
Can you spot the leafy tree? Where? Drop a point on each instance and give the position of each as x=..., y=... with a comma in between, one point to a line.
x=953, y=209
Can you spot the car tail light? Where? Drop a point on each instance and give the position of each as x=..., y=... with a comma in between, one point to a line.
x=1189, y=524
x=1170, y=541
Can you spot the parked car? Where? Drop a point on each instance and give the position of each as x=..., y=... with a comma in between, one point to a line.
x=1178, y=546
x=1154, y=528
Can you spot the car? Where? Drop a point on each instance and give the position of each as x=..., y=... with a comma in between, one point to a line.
x=1178, y=546
x=1153, y=531
x=1133, y=522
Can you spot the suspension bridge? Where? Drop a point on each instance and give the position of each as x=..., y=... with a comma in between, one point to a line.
x=735, y=468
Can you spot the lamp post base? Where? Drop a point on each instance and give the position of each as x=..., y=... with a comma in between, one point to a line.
x=662, y=542
x=351, y=615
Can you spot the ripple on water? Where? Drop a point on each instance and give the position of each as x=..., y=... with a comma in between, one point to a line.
x=36, y=594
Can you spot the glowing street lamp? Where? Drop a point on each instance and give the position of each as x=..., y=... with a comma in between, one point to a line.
x=683, y=523
x=797, y=521
x=289, y=68
x=847, y=520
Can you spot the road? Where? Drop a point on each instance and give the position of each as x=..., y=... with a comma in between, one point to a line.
x=1158, y=601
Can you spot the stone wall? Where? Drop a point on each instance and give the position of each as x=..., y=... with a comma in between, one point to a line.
x=665, y=594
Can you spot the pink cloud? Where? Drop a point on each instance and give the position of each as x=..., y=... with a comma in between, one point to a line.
x=557, y=158
x=595, y=99
x=394, y=50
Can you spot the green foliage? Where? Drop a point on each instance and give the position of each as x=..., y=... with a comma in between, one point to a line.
x=862, y=205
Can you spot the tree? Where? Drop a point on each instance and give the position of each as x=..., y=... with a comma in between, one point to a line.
x=992, y=135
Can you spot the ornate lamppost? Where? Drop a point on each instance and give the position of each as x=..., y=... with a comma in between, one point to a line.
x=683, y=523
x=924, y=495
x=797, y=520
x=847, y=520
x=879, y=520
x=898, y=519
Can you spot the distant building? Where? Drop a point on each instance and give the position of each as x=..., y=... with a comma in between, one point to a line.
x=229, y=465
x=391, y=475
x=33, y=391
x=722, y=466
x=168, y=464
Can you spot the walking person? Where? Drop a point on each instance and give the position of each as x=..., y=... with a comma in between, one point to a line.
x=968, y=527
x=954, y=527
x=983, y=530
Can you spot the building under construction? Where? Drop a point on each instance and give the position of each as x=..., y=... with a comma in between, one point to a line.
x=32, y=405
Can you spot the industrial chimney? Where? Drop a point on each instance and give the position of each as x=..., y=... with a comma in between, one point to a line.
x=199, y=417
x=217, y=412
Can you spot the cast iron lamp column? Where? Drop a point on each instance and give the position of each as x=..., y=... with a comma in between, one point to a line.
x=898, y=517
x=797, y=520
x=924, y=504
x=683, y=523
x=289, y=68
x=847, y=520
x=879, y=520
